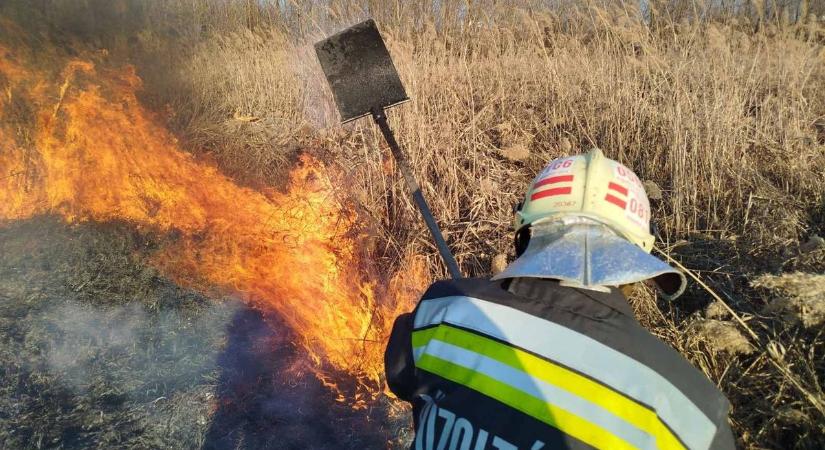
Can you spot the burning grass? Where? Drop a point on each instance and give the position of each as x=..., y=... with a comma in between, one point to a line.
x=100, y=156
x=726, y=117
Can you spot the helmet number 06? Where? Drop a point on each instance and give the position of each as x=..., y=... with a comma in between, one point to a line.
x=561, y=164
x=554, y=167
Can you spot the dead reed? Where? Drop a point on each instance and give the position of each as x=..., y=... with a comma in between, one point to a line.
x=725, y=121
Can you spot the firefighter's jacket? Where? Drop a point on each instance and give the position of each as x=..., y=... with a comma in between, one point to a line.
x=529, y=364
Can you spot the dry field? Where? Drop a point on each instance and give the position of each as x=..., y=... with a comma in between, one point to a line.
x=724, y=118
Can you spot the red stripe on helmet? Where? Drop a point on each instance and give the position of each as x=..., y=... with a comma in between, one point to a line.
x=618, y=188
x=616, y=201
x=552, y=180
x=551, y=192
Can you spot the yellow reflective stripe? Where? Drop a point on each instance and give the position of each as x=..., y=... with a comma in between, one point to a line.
x=554, y=416
x=561, y=377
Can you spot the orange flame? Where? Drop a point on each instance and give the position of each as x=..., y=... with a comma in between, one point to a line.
x=96, y=154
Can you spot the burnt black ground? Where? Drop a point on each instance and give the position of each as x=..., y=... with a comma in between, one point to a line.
x=98, y=350
x=267, y=399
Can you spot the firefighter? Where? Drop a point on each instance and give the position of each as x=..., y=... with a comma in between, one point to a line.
x=547, y=354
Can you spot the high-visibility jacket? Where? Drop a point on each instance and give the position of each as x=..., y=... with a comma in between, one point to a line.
x=529, y=364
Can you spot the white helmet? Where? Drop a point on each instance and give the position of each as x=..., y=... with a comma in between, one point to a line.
x=586, y=221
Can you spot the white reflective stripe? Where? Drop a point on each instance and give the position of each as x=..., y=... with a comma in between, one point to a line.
x=541, y=390
x=578, y=352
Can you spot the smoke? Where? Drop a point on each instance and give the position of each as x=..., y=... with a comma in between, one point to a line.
x=158, y=36
x=81, y=334
x=96, y=350
x=88, y=348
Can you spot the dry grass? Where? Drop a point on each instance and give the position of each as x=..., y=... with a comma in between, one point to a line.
x=722, y=119
x=726, y=122
x=729, y=122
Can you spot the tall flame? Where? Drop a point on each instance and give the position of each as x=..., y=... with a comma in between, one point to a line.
x=94, y=153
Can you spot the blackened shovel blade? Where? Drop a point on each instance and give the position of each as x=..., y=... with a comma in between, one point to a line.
x=360, y=71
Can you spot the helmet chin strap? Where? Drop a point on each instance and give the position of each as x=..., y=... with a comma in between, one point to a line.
x=522, y=240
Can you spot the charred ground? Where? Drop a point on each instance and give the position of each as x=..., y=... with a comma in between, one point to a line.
x=99, y=351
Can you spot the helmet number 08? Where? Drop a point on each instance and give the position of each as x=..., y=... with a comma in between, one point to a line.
x=639, y=210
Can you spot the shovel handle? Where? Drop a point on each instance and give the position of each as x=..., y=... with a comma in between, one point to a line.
x=381, y=119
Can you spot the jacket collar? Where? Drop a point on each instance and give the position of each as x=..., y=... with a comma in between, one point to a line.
x=548, y=290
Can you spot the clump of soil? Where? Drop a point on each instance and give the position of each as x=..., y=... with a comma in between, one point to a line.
x=514, y=143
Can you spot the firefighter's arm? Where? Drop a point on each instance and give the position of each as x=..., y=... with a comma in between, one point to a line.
x=398, y=359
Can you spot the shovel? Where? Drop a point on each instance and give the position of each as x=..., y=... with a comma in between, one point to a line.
x=364, y=82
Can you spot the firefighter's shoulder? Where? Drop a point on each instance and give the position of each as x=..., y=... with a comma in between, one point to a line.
x=461, y=286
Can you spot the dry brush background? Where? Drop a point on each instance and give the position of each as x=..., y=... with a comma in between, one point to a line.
x=722, y=111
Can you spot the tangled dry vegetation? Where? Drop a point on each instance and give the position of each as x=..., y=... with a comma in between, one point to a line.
x=727, y=122
x=725, y=119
